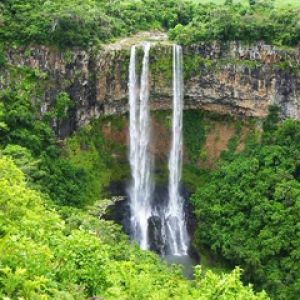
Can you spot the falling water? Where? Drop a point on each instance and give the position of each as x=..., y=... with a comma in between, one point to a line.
x=176, y=232
x=139, y=156
x=169, y=222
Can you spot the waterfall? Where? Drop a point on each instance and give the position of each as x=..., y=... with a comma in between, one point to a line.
x=176, y=232
x=164, y=222
x=139, y=156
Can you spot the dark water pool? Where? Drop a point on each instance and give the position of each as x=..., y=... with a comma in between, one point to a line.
x=186, y=262
x=120, y=213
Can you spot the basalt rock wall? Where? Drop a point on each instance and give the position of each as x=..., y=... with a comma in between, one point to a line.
x=227, y=78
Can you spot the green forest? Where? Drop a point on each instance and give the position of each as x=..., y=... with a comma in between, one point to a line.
x=55, y=241
x=87, y=23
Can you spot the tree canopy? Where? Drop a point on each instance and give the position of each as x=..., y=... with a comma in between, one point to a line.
x=46, y=257
x=249, y=211
x=77, y=23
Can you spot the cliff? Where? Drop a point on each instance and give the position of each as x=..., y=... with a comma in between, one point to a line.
x=227, y=78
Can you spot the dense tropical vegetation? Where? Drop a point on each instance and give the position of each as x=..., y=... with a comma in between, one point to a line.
x=247, y=208
x=86, y=23
x=51, y=246
x=29, y=139
x=49, y=252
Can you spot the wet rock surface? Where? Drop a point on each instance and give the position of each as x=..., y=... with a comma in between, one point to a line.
x=119, y=211
x=156, y=239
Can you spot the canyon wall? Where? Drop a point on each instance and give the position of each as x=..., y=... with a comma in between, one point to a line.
x=227, y=78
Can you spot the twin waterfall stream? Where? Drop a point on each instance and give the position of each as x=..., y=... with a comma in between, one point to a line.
x=140, y=158
x=171, y=229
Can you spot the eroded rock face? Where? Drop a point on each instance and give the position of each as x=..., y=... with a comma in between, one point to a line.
x=156, y=240
x=245, y=80
x=226, y=78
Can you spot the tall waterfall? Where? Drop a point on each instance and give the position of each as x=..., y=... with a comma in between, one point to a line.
x=139, y=156
x=157, y=225
x=176, y=232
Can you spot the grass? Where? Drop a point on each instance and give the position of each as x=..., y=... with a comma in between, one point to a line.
x=282, y=3
x=278, y=3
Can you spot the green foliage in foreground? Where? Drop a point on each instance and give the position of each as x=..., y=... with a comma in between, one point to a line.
x=249, y=211
x=46, y=257
x=72, y=23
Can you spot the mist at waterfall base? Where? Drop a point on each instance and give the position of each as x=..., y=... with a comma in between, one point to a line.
x=120, y=212
x=157, y=224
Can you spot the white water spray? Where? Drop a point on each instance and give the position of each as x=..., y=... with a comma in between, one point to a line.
x=139, y=156
x=174, y=235
x=177, y=235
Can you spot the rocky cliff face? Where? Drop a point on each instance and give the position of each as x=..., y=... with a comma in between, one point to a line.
x=226, y=78
x=244, y=80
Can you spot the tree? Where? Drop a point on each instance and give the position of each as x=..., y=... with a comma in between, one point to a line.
x=249, y=211
x=228, y=2
x=43, y=256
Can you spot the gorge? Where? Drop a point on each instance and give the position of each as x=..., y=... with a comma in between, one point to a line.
x=224, y=78
x=150, y=149
x=92, y=101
